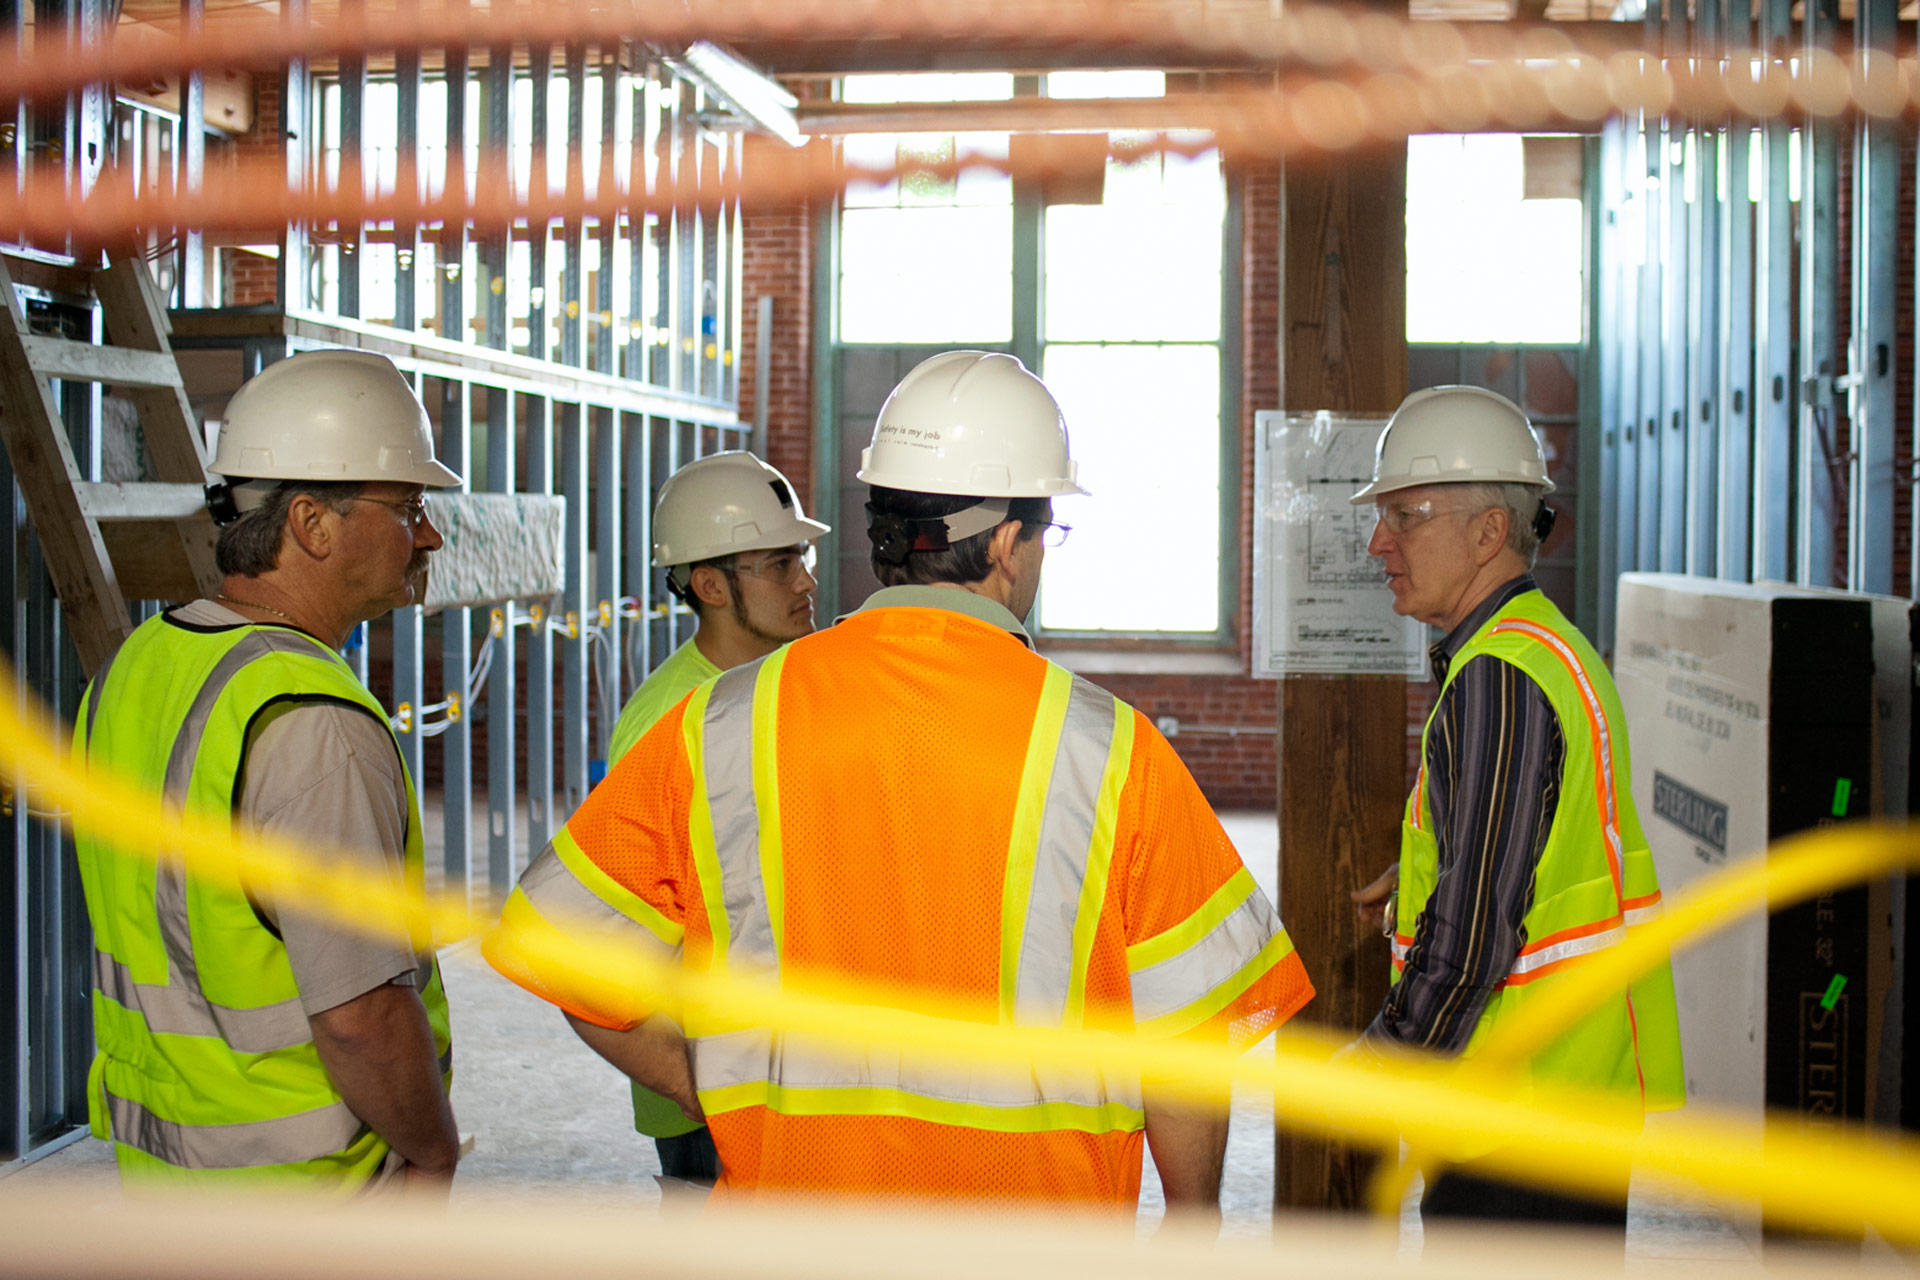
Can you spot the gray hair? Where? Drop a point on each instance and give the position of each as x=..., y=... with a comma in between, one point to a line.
x=1521, y=502
x=250, y=546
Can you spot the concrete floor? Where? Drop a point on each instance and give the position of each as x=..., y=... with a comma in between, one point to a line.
x=548, y=1116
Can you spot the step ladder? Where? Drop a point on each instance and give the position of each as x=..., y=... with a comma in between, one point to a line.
x=107, y=543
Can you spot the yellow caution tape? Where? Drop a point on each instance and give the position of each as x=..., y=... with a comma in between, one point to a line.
x=1825, y=1179
x=1792, y=870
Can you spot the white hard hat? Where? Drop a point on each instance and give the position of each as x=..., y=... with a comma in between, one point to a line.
x=971, y=424
x=725, y=503
x=329, y=415
x=1456, y=435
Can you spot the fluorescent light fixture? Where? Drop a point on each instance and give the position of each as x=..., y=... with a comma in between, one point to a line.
x=753, y=96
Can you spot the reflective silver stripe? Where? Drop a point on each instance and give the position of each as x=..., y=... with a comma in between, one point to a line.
x=567, y=904
x=728, y=731
x=1603, y=733
x=1045, y=974
x=1179, y=980
x=1527, y=961
x=1643, y=915
x=170, y=883
x=799, y=1062
x=186, y=745
x=185, y=1011
x=310, y=1135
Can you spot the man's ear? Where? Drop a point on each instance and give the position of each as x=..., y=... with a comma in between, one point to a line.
x=307, y=526
x=1000, y=544
x=1494, y=525
x=710, y=587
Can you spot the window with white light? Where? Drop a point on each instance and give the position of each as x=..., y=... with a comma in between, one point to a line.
x=1486, y=261
x=1128, y=309
x=1132, y=307
x=925, y=257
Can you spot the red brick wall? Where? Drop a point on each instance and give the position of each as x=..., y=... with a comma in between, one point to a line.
x=1234, y=769
x=252, y=278
x=777, y=251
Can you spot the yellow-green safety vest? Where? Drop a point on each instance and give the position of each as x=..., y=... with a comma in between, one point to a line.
x=1595, y=880
x=684, y=670
x=205, y=1068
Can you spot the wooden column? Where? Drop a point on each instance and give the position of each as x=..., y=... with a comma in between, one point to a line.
x=1342, y=739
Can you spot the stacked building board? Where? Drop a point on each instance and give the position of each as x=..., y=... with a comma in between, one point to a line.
x=1753, y=715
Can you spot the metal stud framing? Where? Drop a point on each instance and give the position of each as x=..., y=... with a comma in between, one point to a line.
x=1870, y=351
x=1818, y=456
x=45, y=1032
x=1765, y=411
x=1702, y=399
x=1775, y=386
x=1651, y=169
x=1733, y=534
x=352, y=236
x=193, y=159
x=541, y=823
x=294, y=100
x=456, y=661
x=506, y=418
x=503, y=827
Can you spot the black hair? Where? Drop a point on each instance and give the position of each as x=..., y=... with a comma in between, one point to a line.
x=898, y=519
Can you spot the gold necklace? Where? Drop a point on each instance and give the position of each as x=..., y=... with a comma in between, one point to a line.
x=264, y=608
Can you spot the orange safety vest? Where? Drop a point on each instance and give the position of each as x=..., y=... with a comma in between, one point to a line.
x=915, y=800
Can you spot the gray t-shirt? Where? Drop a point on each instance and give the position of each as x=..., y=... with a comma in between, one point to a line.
x=327, y=777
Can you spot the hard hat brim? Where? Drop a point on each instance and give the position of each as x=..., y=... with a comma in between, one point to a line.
x=802, y=529
x=429, y=475
x=880, y=478
x=433, y=475
x=1374, y=489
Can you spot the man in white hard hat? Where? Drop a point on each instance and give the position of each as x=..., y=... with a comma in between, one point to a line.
x=244, y=1038
x=914, y=805
x=739, y=551
x=1521, y=852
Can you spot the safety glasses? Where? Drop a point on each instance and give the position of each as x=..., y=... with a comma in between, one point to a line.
x=781, y=568
x=1404, y=517
x=414, y=509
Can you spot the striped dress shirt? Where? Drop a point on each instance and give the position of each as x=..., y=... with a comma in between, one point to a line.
x=1494, y=753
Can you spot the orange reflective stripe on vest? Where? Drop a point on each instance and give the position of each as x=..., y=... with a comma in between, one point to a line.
x=1593, y=881
x=1543, y=956
x=1600, y=735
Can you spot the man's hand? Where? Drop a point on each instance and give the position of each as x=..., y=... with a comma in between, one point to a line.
x=378, y=1050
x=653, y=1054
x=427, y=1185
x=1371, y=902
